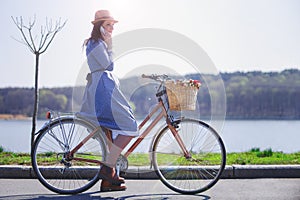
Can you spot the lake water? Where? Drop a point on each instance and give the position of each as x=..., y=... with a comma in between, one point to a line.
x=238, y=135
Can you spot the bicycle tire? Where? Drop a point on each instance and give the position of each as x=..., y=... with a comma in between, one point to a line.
x=53, y=142
x=189, y=175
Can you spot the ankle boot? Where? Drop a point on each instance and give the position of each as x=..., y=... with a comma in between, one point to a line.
x=106, y=186
x=107, y=173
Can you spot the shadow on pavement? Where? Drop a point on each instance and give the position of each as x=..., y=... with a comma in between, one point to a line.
x=94, y=196
x=162, y=197
x=85, y=196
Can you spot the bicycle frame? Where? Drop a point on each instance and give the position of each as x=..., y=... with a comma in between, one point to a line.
x=162, y=113
x=179, y=170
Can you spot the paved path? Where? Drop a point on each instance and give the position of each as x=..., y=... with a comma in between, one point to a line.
x=225, y=189
x=234, y=171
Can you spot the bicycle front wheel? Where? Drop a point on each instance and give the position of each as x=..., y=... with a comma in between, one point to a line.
x=193, y=173
x=56, y=171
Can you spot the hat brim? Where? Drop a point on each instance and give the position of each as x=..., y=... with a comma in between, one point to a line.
x=104, y=19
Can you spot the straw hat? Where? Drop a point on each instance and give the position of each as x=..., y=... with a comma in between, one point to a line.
x=103, y=15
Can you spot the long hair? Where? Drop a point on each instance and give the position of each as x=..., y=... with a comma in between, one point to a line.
x=96, y=34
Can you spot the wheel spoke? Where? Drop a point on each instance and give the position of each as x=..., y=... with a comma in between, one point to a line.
x=195, y=174
x=54, y=166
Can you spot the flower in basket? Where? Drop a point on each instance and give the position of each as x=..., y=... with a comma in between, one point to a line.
x=188, y=83
x=195, y=83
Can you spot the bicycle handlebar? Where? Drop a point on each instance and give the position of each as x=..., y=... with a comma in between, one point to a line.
x=160, y=78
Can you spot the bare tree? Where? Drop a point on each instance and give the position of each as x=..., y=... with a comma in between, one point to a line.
x=37, y=45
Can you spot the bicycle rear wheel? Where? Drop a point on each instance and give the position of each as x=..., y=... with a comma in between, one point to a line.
x=194, y=174
x=54, y=169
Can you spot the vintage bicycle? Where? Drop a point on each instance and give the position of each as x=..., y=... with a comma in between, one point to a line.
x=188, y=155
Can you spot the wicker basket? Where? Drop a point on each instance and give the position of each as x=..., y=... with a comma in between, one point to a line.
x=181, y=97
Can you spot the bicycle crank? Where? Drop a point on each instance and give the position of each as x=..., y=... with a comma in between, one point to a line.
x=121, y=164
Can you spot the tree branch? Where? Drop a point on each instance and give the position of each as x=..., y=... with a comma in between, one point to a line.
x=48, y=32
x=20, y=27
x=29, y=28
x=54, y=31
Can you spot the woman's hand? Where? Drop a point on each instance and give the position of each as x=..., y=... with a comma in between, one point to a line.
x=108, y=27
x=107, y=40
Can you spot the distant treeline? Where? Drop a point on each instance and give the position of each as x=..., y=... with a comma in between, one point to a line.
x=249, y=95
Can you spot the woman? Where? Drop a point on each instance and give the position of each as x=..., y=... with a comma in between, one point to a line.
x=103, y=101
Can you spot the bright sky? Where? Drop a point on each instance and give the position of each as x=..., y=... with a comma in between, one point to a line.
x=238, y=35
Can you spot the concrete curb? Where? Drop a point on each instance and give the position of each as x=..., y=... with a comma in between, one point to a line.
x=266, y=171
x=230, y=172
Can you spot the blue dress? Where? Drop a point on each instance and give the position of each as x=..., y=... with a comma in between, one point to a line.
x=103, y=101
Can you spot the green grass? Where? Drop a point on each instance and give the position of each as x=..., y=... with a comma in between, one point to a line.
x=252, y=157
x=10, y=158
x=266, y=157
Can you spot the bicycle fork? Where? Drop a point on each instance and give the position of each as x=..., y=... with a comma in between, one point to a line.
x=178, y=139
x=175, y=133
